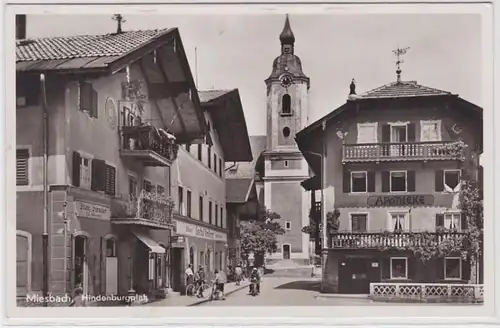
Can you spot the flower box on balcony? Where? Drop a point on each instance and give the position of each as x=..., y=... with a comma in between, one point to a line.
x=149, y=209
x=151, y=146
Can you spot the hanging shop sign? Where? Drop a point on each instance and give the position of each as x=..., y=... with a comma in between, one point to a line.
x=401, y=200
x=92, y=211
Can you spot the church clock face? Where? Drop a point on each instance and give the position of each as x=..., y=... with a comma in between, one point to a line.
x=286, y=80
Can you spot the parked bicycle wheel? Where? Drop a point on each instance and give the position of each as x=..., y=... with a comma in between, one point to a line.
x=203, y=290
x=190, y=289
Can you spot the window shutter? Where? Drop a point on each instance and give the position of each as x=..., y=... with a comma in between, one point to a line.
x=371, y=181
x=86, y=96
x=439, y=182
x=439, y=220
x=22, y=157
x=110, y=185
x=76, y=169
x=410, y=177
x=465, y=270
x=346, y=185
x=95, y=103
x=385, y=181
x=411, y=132
x=386, y=133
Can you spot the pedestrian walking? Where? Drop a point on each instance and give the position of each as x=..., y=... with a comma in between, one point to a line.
x=238, y=272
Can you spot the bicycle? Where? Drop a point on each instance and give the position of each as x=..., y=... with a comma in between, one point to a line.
x=202, y=288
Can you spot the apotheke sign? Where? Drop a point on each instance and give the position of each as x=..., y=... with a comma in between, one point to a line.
x=401, y=200
x=187, y=229
x=92, y=211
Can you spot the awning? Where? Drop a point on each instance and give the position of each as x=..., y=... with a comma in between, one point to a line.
x=150, y=243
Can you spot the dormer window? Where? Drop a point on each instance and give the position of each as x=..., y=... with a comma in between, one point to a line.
x=286, y=103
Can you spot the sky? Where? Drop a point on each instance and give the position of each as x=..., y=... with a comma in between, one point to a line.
x=237, y=51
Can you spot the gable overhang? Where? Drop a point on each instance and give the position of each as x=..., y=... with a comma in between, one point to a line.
x=171, y=86
x=229, y=122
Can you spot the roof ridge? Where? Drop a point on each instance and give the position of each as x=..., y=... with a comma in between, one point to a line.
x=87, y=35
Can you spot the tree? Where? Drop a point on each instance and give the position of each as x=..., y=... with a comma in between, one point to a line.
x=332, y=221
x=259, y=236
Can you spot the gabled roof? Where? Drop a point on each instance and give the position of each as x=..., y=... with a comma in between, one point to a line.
x=238, y=190
x=226, y=110
x=209, y=95
x=81, y=46
x=87, y=51
x=248, y=169
x=402, y=89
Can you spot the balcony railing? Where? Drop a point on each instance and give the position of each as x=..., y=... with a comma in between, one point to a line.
x=407, y=151
x=149, y=209
x=376, y=240
x=151, y=146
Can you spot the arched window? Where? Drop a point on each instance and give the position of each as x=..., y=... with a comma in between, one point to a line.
x=286, y=131
x=286, y=104
x=191, y=256
x=110, y=247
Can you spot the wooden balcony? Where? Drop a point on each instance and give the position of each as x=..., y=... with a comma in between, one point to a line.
x=149, y=210
x=385, y=240
x=407, y=151
x=149, y=145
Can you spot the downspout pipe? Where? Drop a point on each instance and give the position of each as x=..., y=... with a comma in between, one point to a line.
x=45, y=235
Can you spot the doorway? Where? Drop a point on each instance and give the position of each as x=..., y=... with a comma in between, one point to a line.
x=286, y=251
x=178, y=269
x=111, y=267
x=399, y=136
x=81, y=267
x=356, y=274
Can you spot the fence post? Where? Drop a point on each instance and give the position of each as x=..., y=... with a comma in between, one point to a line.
x=423, y=291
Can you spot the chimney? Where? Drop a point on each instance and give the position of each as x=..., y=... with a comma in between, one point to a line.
x=20, y=27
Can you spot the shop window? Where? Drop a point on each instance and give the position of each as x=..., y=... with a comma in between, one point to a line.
x=453, y=268
x=399, y=268
x=359, y=182
x=191, y=257
x=398, y=181
x=451, y=180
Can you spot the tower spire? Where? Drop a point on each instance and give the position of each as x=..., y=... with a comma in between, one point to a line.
x=398, y=53
x=286, y=36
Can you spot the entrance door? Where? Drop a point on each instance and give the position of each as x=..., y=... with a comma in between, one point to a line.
x=354, y=276
x=177, y=269
x=286, y=251
x=81, y=266
x=111, y=268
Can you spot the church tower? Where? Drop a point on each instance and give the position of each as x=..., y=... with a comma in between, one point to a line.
x=285, y=168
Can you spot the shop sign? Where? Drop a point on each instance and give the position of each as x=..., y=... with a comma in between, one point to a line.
x=186, y=229
x=401, y=200
x=92, y=211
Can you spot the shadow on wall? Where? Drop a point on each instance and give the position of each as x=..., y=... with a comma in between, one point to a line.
x=314, y=286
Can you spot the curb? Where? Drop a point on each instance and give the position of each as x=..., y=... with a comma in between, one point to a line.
x=362, y=297
x=227, y=294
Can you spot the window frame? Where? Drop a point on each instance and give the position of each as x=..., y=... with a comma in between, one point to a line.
x=136, y=177
x=459, y=267
x=29, y=164
x=367, y=214
x=425, y=122
x=453, y=213
x=201, y=210
x=367, y=124
x=406, y=181
x=406, y=220
x=406, y=268
x=189, y=203
x=180, y=200
x=29, y=258
x=290, y=111
x=398, y=124
x=288, y=225
x=210, y=208
x=285, y=163
x=366, y=183
x=90, y=158
x=458, y=186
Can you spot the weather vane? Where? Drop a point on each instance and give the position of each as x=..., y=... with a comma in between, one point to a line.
x=398, y=53
x=119, y=19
